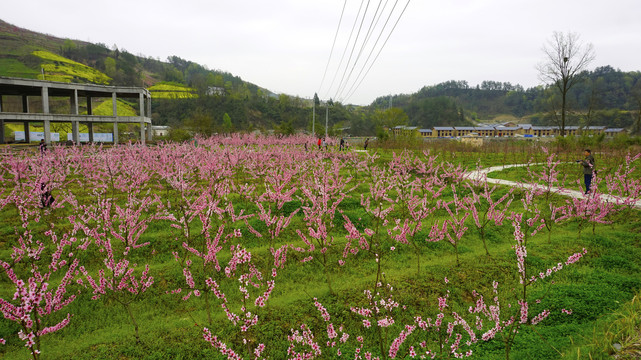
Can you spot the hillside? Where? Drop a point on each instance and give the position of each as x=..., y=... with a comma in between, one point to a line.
x=605, y=96
x=185, y=93
x=23, y=53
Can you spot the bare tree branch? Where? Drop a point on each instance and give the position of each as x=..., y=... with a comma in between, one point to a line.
x=565, y=58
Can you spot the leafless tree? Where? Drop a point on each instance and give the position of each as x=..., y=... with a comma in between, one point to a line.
x=565, y=58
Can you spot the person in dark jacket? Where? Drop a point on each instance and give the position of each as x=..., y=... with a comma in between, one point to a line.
x=588, y=169
x=43, y=147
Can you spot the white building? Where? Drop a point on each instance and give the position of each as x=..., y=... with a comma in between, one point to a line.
x=160, y=130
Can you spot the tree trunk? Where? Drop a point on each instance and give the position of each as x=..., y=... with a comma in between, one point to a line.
x=133, y=320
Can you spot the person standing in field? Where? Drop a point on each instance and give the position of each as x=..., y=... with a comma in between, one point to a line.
x=319, y=143
x=588, y=169
x=42, y=147
x=366, y=143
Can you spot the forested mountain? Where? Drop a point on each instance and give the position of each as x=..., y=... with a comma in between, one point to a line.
x=193, y=98
x=605, y=96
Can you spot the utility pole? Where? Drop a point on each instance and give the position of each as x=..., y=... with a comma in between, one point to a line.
x=313, y=116
x=326, y=119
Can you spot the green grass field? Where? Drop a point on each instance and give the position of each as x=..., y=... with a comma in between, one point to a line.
x=14, y=68
x=172, y=91
x=58, y=68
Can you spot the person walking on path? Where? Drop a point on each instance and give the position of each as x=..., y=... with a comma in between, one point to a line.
x=588, y=169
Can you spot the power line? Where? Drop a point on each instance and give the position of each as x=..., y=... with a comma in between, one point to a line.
x=375, y=43
x=333, y=44
x=353, y=48
x=370, y=53
x=363, y=46
x=379, y=52
x=346, y=47
x=349, y=84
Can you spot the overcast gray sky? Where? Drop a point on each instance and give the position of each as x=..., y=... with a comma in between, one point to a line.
x=284, y=45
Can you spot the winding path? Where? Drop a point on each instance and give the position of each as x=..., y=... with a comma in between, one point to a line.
x=565, y=192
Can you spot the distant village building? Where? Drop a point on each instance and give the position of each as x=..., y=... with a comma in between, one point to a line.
x=443, y=131
x=524, y=130
x=464, y=130
x=507, y=129
x=160, y=130
x=485, y=131
x=404, y=130
x=594, y=130
x=541, y=131
x=613, y=132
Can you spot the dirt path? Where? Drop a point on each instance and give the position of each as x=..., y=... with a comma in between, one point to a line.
x=565, y=192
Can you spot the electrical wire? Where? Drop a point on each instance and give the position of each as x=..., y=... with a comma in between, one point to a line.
x=341, y=90
x=346, y=85
x=353, y=48
x=368, y=35
x=374, y=47
x=379, y=52
x=346, y=47
x=333, y=44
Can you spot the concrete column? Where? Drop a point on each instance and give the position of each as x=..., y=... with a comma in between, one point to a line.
x=89, y=109
x=75, y=132
x=142, y=132
x=47, y=131
x=149, y=132
x=115, y=133
x=0, y=103
x=75, y=125
x=45, y=100
x=47, y=127
x=1, y=131
x=90, y=128
x=115, y=114
x=142, y=104
x=45, y=110
x=74, y=102
x=114, y=102
x=27, y=138
x=148, y=113
x=25, y=104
